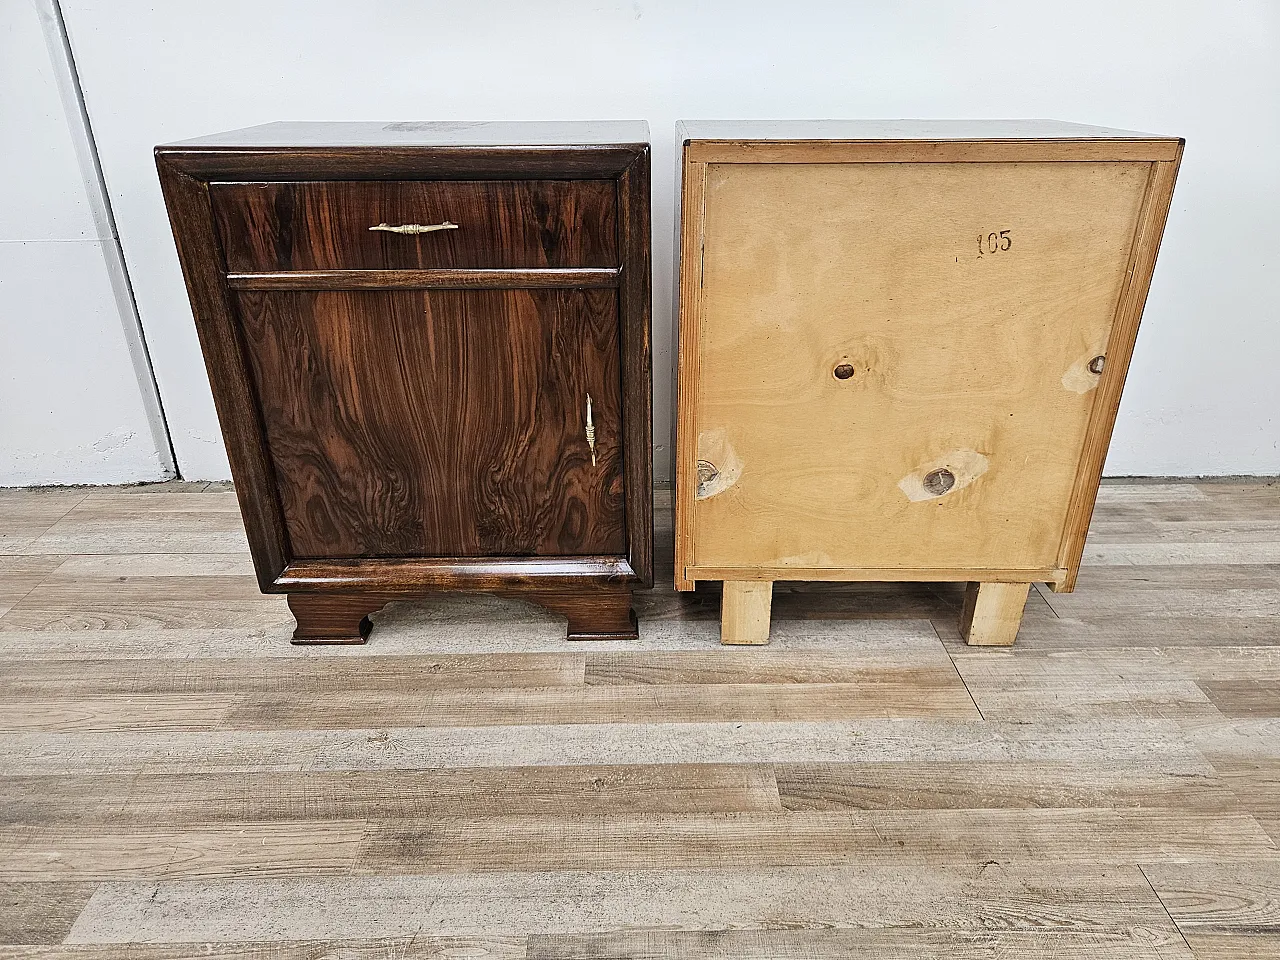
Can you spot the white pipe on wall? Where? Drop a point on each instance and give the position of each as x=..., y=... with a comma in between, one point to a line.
x=62, y=62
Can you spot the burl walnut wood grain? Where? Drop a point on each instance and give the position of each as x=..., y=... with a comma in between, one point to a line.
x=501, y=223
x=441, y=423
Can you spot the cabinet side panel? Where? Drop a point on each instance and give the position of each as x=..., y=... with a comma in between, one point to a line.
x=191, y=217
x=897, y=363
x=635, y=302
x=691, y=217
x=1124, y=334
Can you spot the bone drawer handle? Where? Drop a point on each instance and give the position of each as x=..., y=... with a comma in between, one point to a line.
x=414, y=228
x=591, y=432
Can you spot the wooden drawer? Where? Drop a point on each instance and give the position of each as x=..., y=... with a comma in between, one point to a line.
x=324, y=225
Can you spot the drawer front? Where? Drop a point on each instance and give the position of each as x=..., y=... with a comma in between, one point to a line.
x=443, y=423
x=324, y=225
x=898, y=362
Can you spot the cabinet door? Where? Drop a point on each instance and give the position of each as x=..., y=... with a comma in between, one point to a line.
x=897, y=362
x=441, y=423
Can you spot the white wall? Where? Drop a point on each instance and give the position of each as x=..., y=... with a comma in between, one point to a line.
x=1202, y=394
x=70, y=406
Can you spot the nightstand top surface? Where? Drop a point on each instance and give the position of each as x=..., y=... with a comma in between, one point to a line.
x=689, y=130
x=428, y=134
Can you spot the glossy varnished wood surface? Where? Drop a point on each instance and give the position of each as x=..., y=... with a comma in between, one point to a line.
x=177, y=781
x=414, y=150
x=519, y=134
x=500, y=224
x=221, y=343
x=441, y=423
x=616, y=172
x=636, y=305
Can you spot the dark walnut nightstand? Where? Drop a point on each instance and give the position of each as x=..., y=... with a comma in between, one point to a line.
x=429, y=349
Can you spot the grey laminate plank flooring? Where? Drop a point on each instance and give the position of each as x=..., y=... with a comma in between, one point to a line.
x=177, y=781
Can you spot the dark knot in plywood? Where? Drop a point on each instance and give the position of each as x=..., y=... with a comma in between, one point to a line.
x=937, y=482
x=1096, y=364
x=843, y=371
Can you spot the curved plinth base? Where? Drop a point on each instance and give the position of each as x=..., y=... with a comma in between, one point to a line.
x=594, y=613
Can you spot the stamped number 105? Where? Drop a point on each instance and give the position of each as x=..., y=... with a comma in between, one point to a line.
x=994, y=242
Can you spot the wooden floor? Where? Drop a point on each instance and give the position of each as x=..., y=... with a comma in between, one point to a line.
x=173, y=774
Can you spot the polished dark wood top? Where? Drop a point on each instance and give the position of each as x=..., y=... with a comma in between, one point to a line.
x=428, y=134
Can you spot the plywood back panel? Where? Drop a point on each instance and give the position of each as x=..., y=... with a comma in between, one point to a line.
x=970, y=358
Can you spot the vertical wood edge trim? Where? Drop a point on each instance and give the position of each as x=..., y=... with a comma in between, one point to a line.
x=1124, y=333
x=635, y=303
x=692, y=232
x=200, y=255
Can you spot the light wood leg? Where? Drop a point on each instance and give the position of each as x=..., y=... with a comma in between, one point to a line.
x=992, y=613
x=744, y=611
